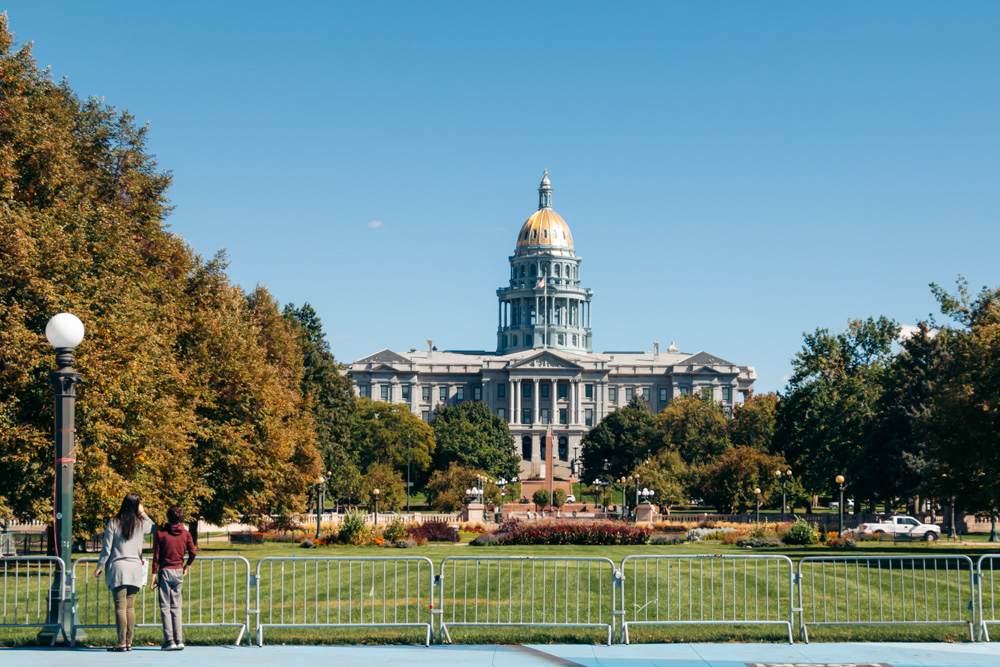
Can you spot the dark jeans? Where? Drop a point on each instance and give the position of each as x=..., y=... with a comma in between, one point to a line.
x=125, y=612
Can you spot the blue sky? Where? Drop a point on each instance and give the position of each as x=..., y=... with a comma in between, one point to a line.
x=734, y=174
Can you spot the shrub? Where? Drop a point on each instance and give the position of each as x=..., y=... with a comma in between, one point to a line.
x=395, y=531
x=434, y=531
x=841, y=543
x=699, y=534
x=354, y=528
x=800, y=532
x=662, y=539
x=759, y=542
x=405, y=544
x=735, y=536
x=558, y=498
x=307, y=543
x=541, y=498
x=285, y=523
x=489, y=539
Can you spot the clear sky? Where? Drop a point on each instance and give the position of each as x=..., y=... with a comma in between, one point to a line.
x=734, y=174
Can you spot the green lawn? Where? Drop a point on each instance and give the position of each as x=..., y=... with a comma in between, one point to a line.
x=478, y=588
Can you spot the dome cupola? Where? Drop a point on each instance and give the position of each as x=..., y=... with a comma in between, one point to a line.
x=545, y=231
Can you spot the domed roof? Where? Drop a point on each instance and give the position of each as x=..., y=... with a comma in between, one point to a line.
x=545, y=231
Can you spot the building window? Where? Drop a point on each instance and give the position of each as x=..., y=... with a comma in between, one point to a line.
x=628, y=394
x=477, y=393
x=563, y=448
x=545, y=390
x=544, y=415
x=543, y=448
x=362, y=391
x=562, y=416
x=502, y=390
x=406, y=392
x=545, y=233
x=425, y=415
x=685, y=391
x=385, y=392
x=663, y=394
x=727, y=394
x=613, y=394
x=526, y=416
x=526, y=390
x=562, y=339
x=706, y=393
x=425, y=392
x=562, y=390
x=443, y=393
x=588, y=417
x=460, y=393
x=588, y=390
x=531, y=270
x=574, y=340
x=527, y=337
x=645, y=394
x=526, y=448
x=502, y=414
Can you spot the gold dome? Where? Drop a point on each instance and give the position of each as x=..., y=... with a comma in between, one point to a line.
x=545, y=231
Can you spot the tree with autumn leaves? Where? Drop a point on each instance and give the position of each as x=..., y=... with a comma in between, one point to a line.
x=192, y=388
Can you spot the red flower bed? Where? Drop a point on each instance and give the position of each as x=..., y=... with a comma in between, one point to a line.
x=566, y=532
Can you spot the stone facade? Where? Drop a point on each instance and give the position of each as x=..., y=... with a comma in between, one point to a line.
x=544, y=373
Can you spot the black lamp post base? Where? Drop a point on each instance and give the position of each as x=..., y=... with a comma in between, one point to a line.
x=62, y=621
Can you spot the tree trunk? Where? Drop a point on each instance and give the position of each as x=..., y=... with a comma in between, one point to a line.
x=193, y=529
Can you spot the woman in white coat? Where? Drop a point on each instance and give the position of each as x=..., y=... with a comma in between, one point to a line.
x=121, y=560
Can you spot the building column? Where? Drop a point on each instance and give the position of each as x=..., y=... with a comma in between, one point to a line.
x=516, y=401
x=487, y=399
x=535, y=385
x=571, y=395
x=554, y=410
x=414, y=388
x=510, y=402
x=395, y=393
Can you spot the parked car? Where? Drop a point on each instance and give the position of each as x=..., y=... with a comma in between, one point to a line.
x=571, y=498
x=905, y=526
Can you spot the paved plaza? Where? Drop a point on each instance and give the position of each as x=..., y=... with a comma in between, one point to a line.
x=567, y=655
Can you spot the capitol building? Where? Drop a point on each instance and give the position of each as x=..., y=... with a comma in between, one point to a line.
x=545, y=373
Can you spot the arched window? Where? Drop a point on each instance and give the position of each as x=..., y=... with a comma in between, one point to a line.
x=545, y=233
x=525, y=234
x=526, y=448
x=574, y=340
x=522, y=270
x=557, y=270
x=562, y=340
x=563, y=448
x=531, y=270
x=534, y=233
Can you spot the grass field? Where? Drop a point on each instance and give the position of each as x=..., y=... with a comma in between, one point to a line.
x=685, y=583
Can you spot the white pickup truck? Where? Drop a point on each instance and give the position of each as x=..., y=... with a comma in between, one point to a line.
x=903, y=526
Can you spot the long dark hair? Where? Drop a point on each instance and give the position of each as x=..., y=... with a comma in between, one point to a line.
x=128, y=516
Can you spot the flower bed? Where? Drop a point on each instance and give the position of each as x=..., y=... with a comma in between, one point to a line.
x=556, y=532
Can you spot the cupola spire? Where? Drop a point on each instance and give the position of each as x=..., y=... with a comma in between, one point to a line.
x=545, y=192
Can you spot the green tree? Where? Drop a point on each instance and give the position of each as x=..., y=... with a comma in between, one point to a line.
x=753, y=422
x=693, y=427
x=667, y=476
x=388, y=481
x=541, y=499
x=967, y=413
x=446, y=488
x=382, y=432
x=469, y=434
x=729, y=483
x=558, y=498
x=824, y=421
x=618, y=443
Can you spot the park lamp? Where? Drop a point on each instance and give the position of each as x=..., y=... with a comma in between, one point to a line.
x=64, y=332
x=839, y=479
x=756, y=493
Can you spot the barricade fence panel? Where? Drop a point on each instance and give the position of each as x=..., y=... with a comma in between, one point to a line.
x=988, y=590
x=216, y=593
x=885, y=590
x=344, y=592
x=30, y=585
x=706, y=590
x=527, y=591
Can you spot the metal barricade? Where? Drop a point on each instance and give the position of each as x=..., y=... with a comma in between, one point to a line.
x=527, y=591
x=885, y=590
x=216, y=593
x=344, y=592
x=987, y=574
x=30, y=585
x=707, y=590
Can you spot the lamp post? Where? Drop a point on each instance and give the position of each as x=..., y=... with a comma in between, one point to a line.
x=375, y=493
x=64, y=332
x=319, y=502
x=599, y=489
x=407, y=473
x=647, y=494
x=622, y=480
x=840, y=507
x=635, y=480
x=756, y=493
x=784, y=477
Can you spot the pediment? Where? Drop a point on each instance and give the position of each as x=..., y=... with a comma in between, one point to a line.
x=546, y=360
x=384, y=357
x=384, y=368
x=704, y=358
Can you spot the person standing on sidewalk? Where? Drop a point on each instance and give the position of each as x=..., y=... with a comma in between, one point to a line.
x=170, y=543
x=121, y=556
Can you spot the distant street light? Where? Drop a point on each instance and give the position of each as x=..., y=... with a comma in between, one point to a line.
x=375, y=493
x=320, y=487
x=840, y=507
x=784, y=477
x=756, y=493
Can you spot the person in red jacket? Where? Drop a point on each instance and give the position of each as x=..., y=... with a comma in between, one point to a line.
x=169, y=544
